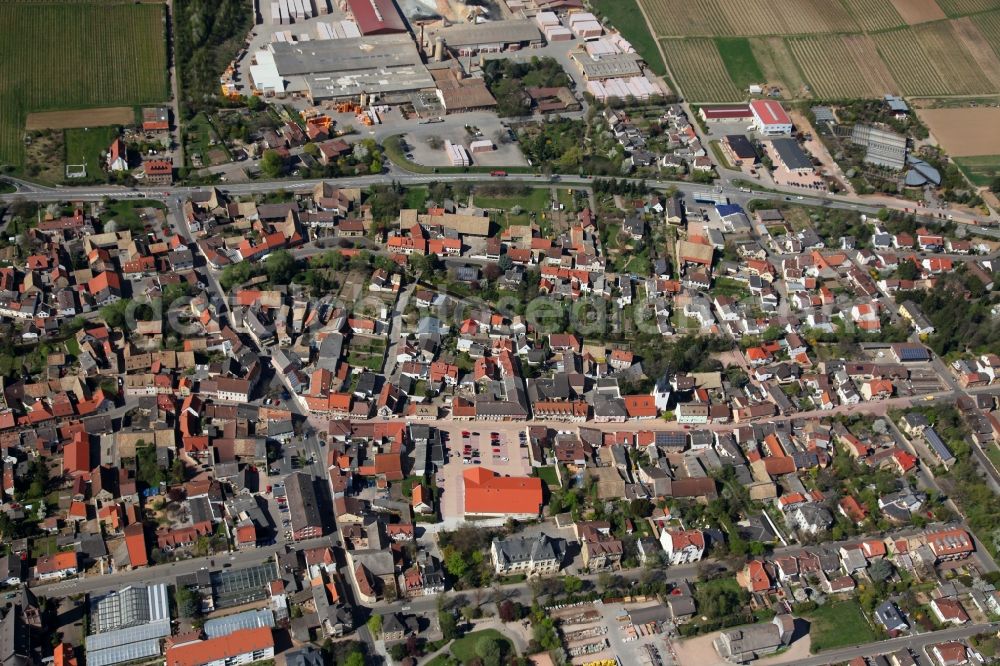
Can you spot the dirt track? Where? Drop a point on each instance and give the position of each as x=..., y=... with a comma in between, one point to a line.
x=114, y=115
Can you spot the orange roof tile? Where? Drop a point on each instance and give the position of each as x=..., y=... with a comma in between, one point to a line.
x=486, y=492
x=218, y=649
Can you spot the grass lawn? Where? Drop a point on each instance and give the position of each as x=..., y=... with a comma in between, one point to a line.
x=464, y=648
x=406, y=485
x=440, y=660
x=837, y=624
x=682, y=322
x=43, y=546
x=719, y=155
x=980, y=170
x=993, y=453
x=627, y=17
x=548, y=475
x=724, y=286
x=538, y=201
x=416, y=197
x=368, y=345
x=126, y=212
x=739, y=61
x=638, y=264
x=200, y=139
x=72, y=347
x=565, y=197
x=87, y=146
x=373, y=363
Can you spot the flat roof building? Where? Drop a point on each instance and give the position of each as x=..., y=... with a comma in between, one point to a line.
x=490, y=37
x=791, y=155
x=612, y=66
x=770, y=117
x=727, y=113
x=739, y=149
x=383, y=66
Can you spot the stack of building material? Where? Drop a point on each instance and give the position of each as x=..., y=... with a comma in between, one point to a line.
x=585, y=25
x=457, y=154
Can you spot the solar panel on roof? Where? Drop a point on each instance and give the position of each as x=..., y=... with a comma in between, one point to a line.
x=940, y=449
x=912, y=353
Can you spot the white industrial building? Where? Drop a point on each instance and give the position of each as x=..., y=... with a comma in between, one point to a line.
x=381, y=67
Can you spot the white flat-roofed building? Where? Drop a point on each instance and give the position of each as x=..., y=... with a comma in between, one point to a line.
x=332, y=69
x=769, y=117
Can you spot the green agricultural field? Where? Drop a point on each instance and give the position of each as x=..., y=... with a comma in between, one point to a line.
x=700, y=72
x=76, y=55
x=627, y=17
x=981, y=170
x=87, y=146
x=739, y=61
x=826, y=49
x=838, y=623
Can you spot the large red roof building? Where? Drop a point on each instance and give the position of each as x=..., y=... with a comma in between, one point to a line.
x=376, y=17
x=489, y=494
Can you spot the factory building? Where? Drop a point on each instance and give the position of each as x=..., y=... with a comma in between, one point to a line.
x=610, y=66
x=378, y=68
x=491, y=37
x=376, y=17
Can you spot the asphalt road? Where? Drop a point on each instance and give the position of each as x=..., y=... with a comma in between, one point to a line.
x=35, y=192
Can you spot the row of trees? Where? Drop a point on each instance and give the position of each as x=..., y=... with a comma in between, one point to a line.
x=207, y=36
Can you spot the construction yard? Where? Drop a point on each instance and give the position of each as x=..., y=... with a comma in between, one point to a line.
x=597, y=632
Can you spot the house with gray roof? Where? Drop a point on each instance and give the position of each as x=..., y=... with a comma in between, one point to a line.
x=747, y=643
x=536, y=555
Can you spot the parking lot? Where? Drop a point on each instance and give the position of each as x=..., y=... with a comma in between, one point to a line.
x=419, y=141
x=500, y=453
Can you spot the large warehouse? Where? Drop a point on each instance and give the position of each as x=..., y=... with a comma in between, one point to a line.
x=387, y=68
x=466, y=39
x=377, y=17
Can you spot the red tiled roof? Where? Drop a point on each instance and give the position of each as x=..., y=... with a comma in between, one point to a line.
x=135, y=540
x=486, y=492
x=376, y=17
x=217, y=649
